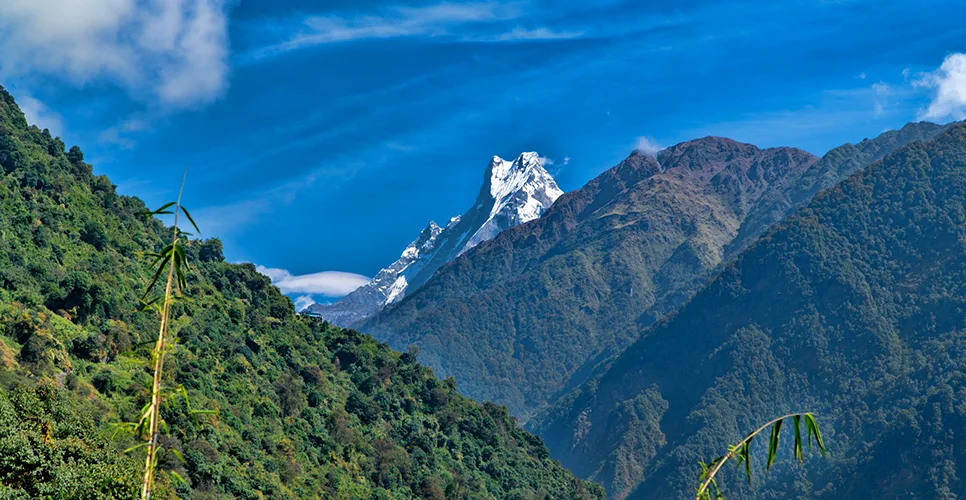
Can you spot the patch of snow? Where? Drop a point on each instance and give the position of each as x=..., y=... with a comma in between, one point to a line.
x=397, y=290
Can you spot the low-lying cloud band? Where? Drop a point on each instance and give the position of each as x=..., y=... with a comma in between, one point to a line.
x=327, y=283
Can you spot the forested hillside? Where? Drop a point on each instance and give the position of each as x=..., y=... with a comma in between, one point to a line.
x=526, y=317
x=853, y=308
x=303, y=410
x=833, y=168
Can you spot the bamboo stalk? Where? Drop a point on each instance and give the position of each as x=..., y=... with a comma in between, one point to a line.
x=154, y=410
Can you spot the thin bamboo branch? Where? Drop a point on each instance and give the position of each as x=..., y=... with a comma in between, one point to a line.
x=714, y=470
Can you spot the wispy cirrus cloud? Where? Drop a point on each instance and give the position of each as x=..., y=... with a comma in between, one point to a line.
x=174, y=52
x=949, y=82
x=227, y=219
x=327, y=283
x=523, y=34
x=459, y=21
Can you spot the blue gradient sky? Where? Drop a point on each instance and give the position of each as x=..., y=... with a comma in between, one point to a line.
x=325, y=138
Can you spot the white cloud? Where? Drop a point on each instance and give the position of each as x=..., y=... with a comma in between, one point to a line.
x=522, y=34
x=432, y=20
x=544, y=161
x=273, y=273
x=862, y=76
x=647, y=146
x=302, y=302
x=39, y=114
x=171, y=51
x=949, y=82
x=566, y=160
x=328, y=283
x=442, y=19
x=225, y=220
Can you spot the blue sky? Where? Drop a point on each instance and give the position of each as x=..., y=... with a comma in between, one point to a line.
x=322, y=136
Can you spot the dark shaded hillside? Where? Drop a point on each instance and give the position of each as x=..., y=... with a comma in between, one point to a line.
x=304, y=410
x=854, y=308
x=834, y=167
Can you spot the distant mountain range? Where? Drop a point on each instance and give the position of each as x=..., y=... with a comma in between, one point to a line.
x=853, y=308
x=513, y=192
x=525, y=317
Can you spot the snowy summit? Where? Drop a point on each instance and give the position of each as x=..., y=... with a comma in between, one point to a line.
x=513, y=192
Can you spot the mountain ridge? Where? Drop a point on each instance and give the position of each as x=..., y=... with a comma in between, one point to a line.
x=851, y=308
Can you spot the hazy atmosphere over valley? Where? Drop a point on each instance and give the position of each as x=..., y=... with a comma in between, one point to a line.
x=491, y=249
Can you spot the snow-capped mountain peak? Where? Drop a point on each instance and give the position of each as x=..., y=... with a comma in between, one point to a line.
x=513, y=192
x=519, y=191
x=508, y=176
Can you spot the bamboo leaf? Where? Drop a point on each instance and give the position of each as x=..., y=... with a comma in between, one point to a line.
x=161, y=211
x=179, y=456
x=165, y=207
x=157, y=257
x=135, y=447
x=746, y=451
x=149, y=304
x=773, y=443
x=799, y=455
x=177, y=478
x=192, y=221
x=182, y=282
x=154, y=280
x=182, y=256
x=148, y=215
x=812, y=425
x=117, y=428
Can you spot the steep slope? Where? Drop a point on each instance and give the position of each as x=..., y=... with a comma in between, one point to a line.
x=834, y=167
x=303, y=410
x=524, y=315
x=852, y=308
x=513, y=192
